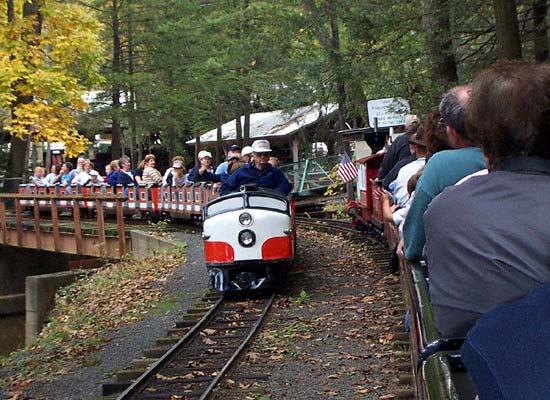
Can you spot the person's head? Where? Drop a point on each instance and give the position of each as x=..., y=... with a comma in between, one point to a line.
x=124, y=163
x=39, y=172
x=66, y=167
x=274, y=161
x=452, y=108
x=205, y=158
x=56, y=169
x=261, y=150
x=178, y=158
x=114, y=165
x=232, y=158
x=410, y=121
x=413, y=180
x=509, y=111
x=108, y=169
x=94, y=175
x=418, y=142
x=80, y=162
x=246, y=154
x=87, y=166
x=233, y=149
x=177, y=167
x=149, y=161
x=435, y=132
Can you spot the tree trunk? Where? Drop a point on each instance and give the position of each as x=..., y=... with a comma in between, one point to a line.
x=18, y=159
x=132, y=92
x=246, y=127
x=115, y=116
x=437, y=28
x=540, y=39
x=219, y=122
x=507, y=28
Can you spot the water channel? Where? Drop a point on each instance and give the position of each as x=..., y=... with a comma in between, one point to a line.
x=12, y=333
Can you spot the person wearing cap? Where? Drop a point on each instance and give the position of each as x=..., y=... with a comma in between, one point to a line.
x=233, y=155
x=399, y=149
x=259, y=172
x=178, y=174
x=203, y=172
x=168, y=174
x=246, y=154
x=95, y=179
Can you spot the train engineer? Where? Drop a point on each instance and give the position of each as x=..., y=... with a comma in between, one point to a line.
x=259, y=171
x=487, y=239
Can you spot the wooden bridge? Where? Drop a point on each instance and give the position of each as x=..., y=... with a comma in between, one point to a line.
x=34, y=233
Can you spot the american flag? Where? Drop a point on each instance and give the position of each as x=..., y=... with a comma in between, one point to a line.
x=347, y=170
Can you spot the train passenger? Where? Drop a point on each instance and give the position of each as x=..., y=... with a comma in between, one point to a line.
x=54, y=176
x=487, y=239
x=259, y=172
x=111, y=177
x=125, y=176
x=507, y=353
x=203, y=172
x=151, y=175
x=37, y=178
x=95, y=179
x=232, y=152
x=246, y=154
x=399, y=149
x=443, y=169
x=66, y=168
x=70, y=176
x=274, y=161
x=167, y=178
x=83, y=178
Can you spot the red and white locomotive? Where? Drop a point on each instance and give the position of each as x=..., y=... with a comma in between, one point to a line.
x=249, y=240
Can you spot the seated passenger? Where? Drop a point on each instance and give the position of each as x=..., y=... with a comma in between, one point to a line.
x=259, y=172
x=111, y=173
x=151, y=175
x=442, y=169
x=487, y=239
x=399, y=149
x=246, y=154
x=203, y=172
x=178, y=174
x=54, y=176
x=168, y=174
x=83, y=178
x=95, y=179
x=125, y=176
x=506, y=353
x=234, y=152
x=38, y=178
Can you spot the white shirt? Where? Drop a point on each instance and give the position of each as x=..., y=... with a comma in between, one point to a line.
x=399, y=185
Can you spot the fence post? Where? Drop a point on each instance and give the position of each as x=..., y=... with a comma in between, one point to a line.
x=3, y=221
x=101, y=227
x=120, y=227
x=77, y=226
x=37, y=224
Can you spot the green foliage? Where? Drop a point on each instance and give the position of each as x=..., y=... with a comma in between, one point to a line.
x=302, y=298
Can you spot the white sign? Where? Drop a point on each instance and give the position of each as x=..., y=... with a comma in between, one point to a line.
x=389, y=112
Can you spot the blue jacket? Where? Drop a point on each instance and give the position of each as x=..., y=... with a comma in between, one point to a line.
x=194, y=175
x=124, y=179
x=112, y=178
x=269, y=177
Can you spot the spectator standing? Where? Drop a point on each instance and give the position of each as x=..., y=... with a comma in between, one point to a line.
x=151, y=175
x=487, y=239
x=259, y=172
x=443, y=169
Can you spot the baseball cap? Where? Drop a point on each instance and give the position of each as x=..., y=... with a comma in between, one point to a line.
x=247, y=150
x=234, y=147
x=261, y=146
x=94, y=173
x=233, y=156
x=204, y=153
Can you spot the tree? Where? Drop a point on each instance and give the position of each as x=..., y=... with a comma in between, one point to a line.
x=507, y=29
x=49, y=56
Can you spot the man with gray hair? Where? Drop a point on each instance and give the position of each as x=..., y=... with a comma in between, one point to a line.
x=443, y=169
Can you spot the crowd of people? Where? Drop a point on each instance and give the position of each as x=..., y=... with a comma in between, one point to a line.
x=471, y=201
x=252, y=164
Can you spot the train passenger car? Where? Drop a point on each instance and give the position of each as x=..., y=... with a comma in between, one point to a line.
x=249, y=240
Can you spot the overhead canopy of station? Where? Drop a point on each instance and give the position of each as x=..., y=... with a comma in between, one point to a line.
x=265, y=125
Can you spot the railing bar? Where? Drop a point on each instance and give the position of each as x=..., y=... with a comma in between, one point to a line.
x=120, y=227
x=100, y=227
x=55, y=226
x=37, y=225
x=3, y=220
x=77, y=227
x=18, y=224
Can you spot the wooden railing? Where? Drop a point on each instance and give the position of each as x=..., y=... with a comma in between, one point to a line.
x=74, y=243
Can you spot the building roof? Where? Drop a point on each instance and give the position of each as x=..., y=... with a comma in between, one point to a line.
x=272, y=123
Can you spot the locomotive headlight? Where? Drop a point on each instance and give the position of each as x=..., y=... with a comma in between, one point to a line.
x=247, y=238
x=245, y=219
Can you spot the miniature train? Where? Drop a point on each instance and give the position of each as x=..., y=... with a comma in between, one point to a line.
x=438, y=371
x=249, y=240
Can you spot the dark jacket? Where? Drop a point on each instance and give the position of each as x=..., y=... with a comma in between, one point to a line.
x=269, y=177
x=124, y=179
x=112, y=178
x=194, y=175
x=398, y=150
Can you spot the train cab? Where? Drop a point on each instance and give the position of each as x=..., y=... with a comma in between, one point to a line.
x=249, y=240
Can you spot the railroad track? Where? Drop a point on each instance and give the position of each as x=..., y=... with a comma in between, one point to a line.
x=193, y=366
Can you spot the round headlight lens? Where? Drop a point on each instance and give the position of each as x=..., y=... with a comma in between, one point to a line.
x=247, y=238
x=245, y=219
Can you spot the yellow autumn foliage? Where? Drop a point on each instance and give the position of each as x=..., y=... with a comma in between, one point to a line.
x=54, y=69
